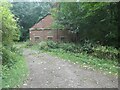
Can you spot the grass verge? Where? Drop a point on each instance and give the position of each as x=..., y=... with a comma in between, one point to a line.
x=90, y=62
x=13, y=77
x=104, y=65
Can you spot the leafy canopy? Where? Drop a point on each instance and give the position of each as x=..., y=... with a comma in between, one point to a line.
x=9, y=30
x=94, y=21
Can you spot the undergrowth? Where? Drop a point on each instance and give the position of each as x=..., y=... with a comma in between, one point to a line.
x=98, y=57
x=90, y=62
x=14, y=70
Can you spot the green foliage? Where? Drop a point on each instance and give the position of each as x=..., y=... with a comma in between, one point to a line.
x=93, y=21
x=28, y=44
x=0, y=66
x=87, y=47
x=29, y=13
x=13, y=67
x=95, y=50
x=10, y=30
x=16, y=50
x=8, y=57
x=10, y=33
x=47, y=45
x=13, y=64
x=43, y=45
x=52, y=44
x=14, y=76
x=77, y=54
x=69, y=47
x=106, y=49
x=0, y=52
x=89, y=62
x=105, y=52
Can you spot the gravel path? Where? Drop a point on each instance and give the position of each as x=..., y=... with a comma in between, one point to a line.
x=46, y=71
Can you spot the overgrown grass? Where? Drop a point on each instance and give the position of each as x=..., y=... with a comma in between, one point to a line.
x=14, y=69
x=73, y=53
x=0, y=65
x=12, y=77
x=90, y=62
x=0, y=76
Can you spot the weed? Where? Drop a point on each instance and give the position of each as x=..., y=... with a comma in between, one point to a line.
x=87, y=54
x=84, y=59
x=11, y=77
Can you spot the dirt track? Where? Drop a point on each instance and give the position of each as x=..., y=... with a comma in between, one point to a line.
x=46, y=71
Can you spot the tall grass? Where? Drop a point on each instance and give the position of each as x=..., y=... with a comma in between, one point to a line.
x=14, y=69
x=12, y=77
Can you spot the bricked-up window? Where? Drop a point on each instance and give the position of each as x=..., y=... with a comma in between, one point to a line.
x=37, y=38
x=62, y=38
x=49, y=37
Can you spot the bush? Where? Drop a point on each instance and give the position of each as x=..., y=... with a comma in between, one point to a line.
x=0, y=53
x=47, y=45
x=13, y=67
x=102, y=52
x=87, y=47
x=52, y=44
x=16, y=50
x=43, y=45
x=105, y=52
x=69, y=47
x=14, y=75
x=8, y=57
x=28, y=44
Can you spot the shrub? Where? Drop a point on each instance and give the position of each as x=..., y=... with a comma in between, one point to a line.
x=47, y=45
x=43, y=45
x=9, y=57
x=69, y=47
x=14, y=75
x=13, y=67
x=28, y=44
x=1, y=53
x=102, y=52
x=87, y=47
x=105, y=52
x=52, y=44
x=16, y=50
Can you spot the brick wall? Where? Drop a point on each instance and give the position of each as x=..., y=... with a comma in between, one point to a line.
x=55, y=35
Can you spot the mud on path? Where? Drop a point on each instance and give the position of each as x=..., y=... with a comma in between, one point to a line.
x=46, y=71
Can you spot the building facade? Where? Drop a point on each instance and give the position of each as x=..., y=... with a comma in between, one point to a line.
x=42, y=31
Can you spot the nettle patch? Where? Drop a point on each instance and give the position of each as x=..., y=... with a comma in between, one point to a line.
x=102, y=52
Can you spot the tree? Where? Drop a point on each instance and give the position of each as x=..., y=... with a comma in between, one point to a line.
x=93, y=21
x=10, y=30
x=28, y=14
x=118, y=20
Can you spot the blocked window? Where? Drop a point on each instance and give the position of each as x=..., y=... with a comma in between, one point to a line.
x=37, y=38
x=49, y=37
x=62, y=38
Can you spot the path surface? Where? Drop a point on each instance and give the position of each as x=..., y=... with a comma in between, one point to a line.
x=46, y=71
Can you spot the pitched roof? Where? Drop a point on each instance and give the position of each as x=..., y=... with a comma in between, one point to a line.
x=45, y=22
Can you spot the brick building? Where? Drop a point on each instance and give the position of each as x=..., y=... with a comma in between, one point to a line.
x=43, y=31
